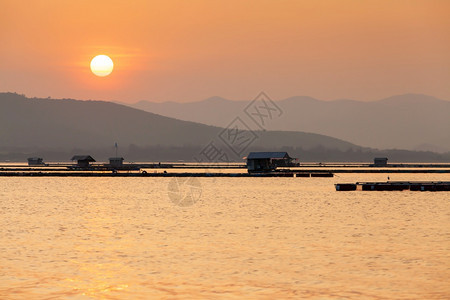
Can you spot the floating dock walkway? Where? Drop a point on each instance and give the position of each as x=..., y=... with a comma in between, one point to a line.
x=295, y=171
x=148, y=174
x=432, y=186
x=411, y=168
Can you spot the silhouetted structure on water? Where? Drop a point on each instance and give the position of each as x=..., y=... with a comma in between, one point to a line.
x=83, y=160
x=380, y=161
x=116, y=162
x=269, y=161
x=35, y=161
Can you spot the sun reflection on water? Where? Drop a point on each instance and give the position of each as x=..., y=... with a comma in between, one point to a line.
x=267, y=237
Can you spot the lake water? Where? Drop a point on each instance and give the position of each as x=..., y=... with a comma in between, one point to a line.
x=141, y=238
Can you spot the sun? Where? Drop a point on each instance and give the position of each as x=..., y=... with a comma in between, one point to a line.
x=102, y=65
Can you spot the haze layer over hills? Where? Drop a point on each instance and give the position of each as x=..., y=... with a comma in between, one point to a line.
x=31, y=123
x=58, y=129
x=411, y=121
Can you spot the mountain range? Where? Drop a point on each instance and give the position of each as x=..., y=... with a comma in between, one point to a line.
x=56, y=129
x=31, y=125
x=410, y=121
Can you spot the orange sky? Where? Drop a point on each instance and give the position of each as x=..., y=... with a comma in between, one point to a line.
x=190, y=50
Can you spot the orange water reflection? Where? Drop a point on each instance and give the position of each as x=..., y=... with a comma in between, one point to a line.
x=115, y=238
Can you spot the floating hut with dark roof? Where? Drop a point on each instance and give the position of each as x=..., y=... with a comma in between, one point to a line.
x=36, y=161
x=83, y=160
x=268, y=161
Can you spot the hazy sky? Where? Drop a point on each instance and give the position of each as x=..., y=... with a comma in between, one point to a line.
x=190, y=50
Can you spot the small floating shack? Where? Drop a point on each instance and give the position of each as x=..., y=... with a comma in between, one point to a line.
x=83, y=161
x=116, y=162
x=380, y=161
x=36, y=161
x=268, y=161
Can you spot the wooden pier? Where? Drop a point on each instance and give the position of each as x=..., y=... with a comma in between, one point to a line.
x=172, y=169
x=440, y=169
x=159, y=174
x=423, y=186
x=334, y=167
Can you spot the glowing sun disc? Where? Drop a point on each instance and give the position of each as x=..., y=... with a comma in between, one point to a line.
x=102, y=65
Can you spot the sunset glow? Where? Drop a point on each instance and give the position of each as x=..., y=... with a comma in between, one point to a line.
x=201, y=149
x=190, y=50
x=102, y=65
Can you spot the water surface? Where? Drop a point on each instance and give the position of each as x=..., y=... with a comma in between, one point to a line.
x=116, y=238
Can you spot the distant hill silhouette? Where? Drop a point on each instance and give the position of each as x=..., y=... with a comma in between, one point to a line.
x=66, y=125
x=411, y=121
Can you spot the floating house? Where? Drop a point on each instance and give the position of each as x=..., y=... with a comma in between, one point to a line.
x=268, y=161
x=83, y=160
x=116, y=162
x=380, y=161
x=35, y=161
